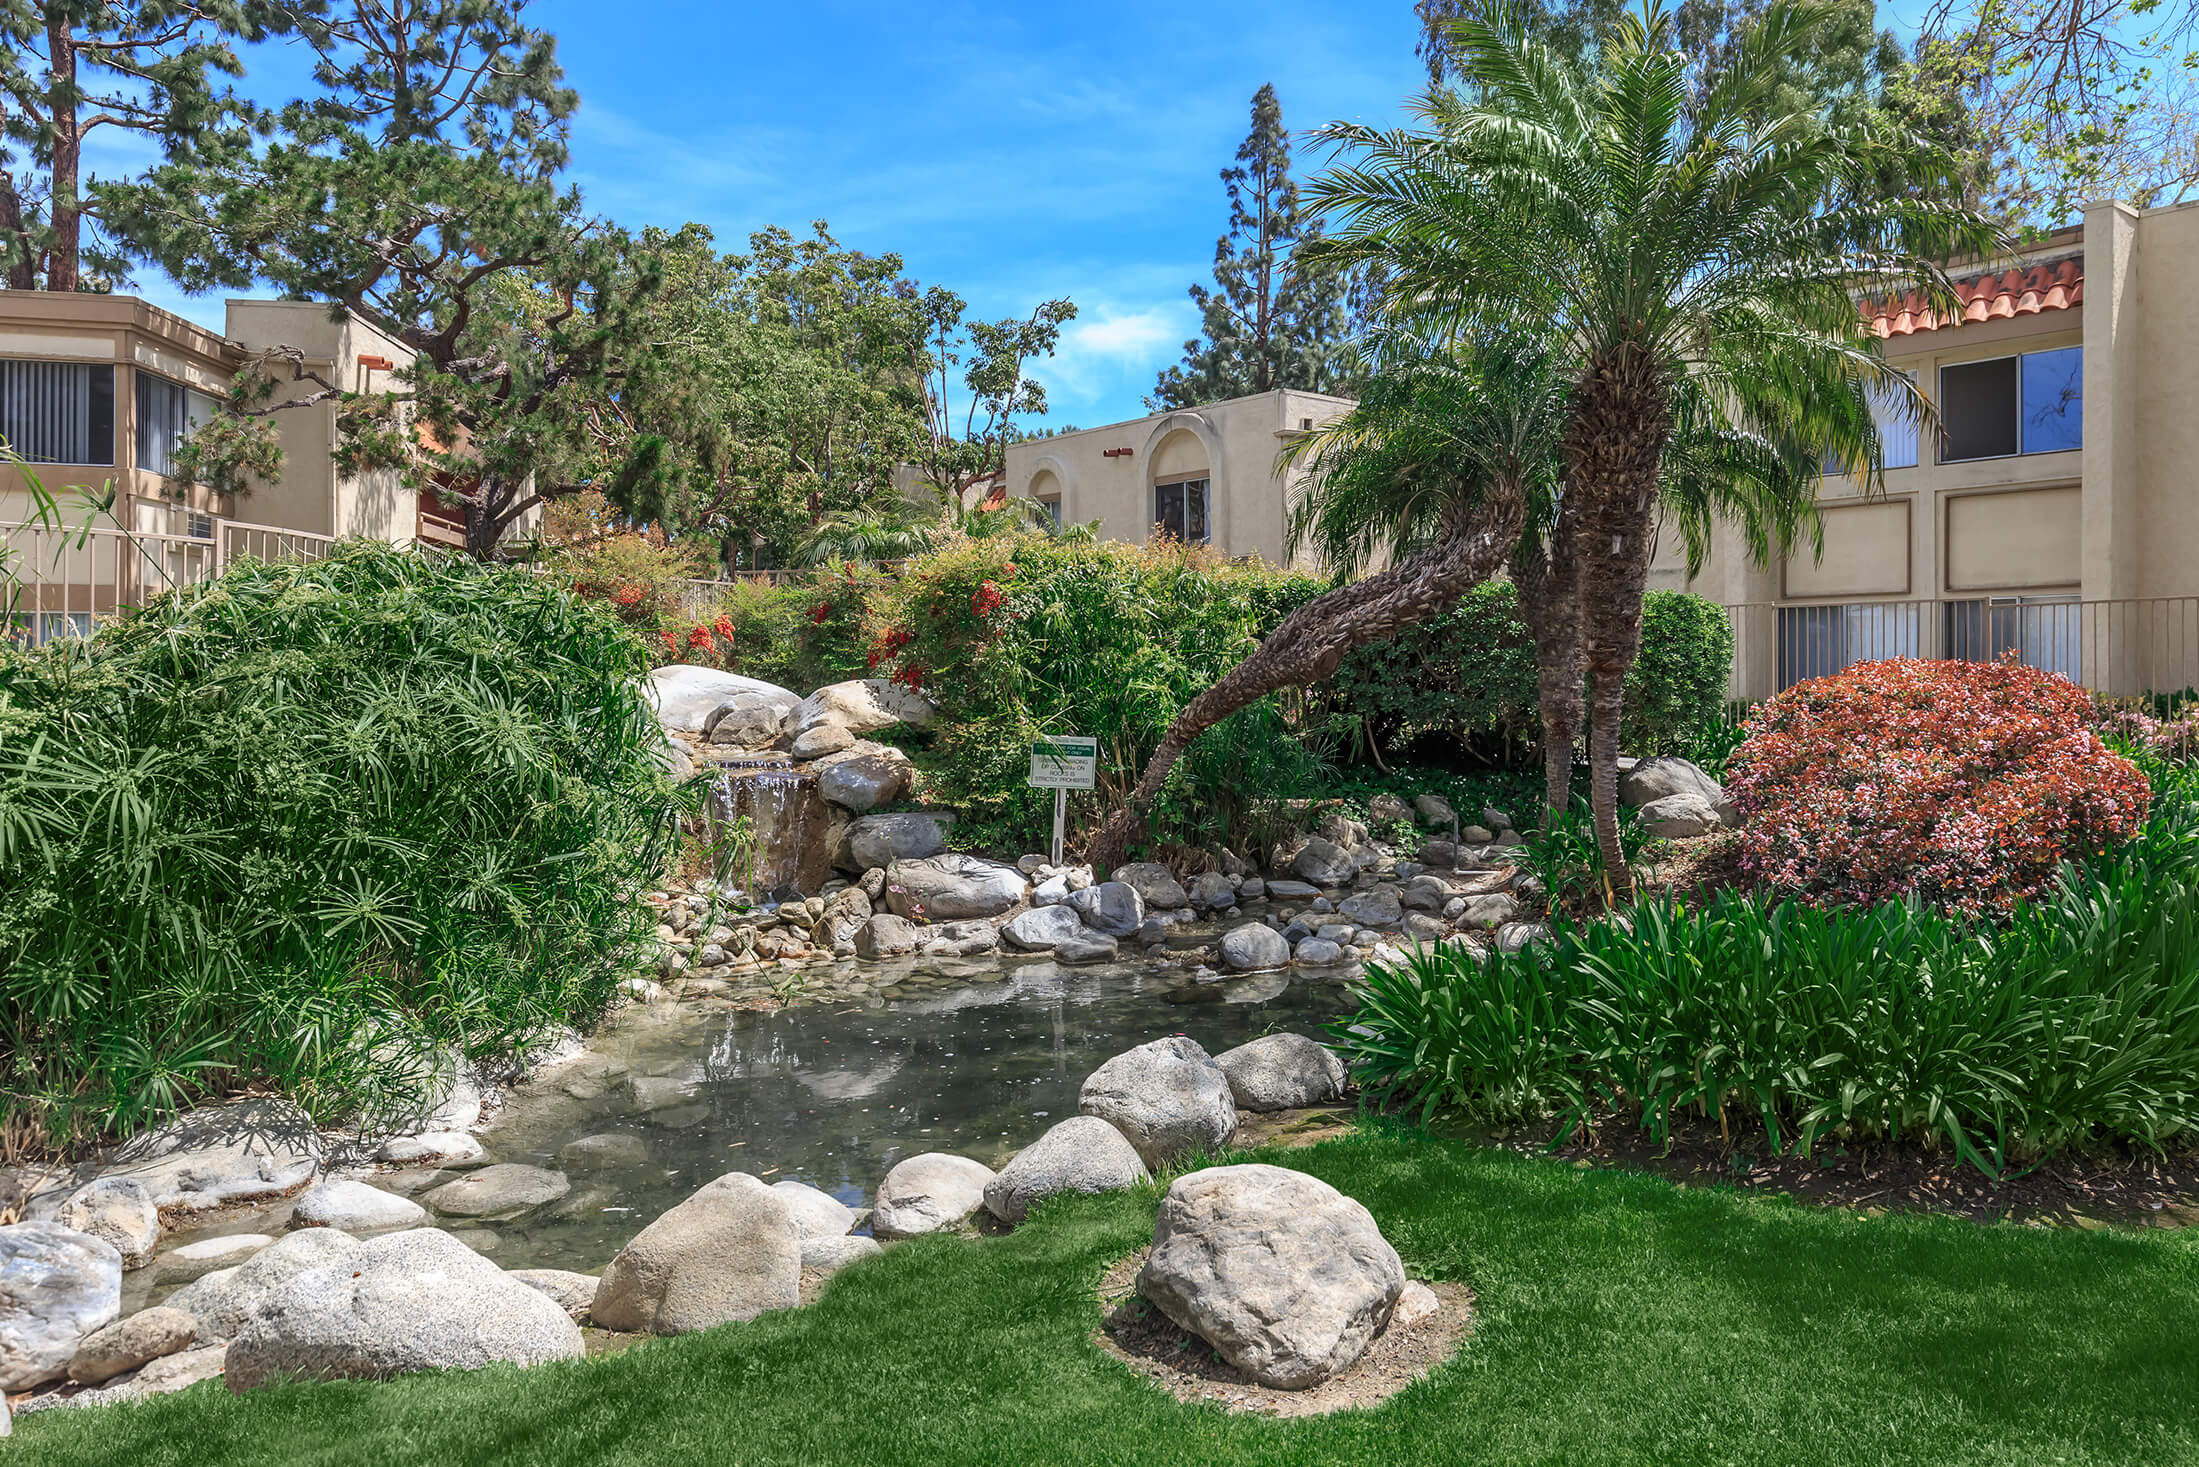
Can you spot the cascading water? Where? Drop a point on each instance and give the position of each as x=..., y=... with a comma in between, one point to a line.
x=784, y=851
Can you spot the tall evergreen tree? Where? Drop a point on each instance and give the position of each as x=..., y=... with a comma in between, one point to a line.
x=1272, y=319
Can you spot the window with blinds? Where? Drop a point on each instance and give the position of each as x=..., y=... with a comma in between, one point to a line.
x=166, y=414
x=58, y=412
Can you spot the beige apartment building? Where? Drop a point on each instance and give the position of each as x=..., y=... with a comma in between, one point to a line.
x=2054, y=511
x=1206, y=475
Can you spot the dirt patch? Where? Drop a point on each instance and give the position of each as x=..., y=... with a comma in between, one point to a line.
x=1186, y=1367
x=1292, y=1128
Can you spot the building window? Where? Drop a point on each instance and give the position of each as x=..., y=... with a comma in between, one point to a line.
x=1052, y=509
x=2012, y=405
x=1181, y=510
x=166, y=414
x=1896, y=424
x=2045, y=632
x=58, y=412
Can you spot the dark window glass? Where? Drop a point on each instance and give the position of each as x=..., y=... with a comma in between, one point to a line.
x=58, y=412
x=1977, y=410
x=1181, y=510
x=166, y=414
x=2053, y=400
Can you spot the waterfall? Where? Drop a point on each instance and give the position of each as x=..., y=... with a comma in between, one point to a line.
x=789, y=823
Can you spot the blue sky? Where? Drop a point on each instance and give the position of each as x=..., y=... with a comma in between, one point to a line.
x=1010, y=152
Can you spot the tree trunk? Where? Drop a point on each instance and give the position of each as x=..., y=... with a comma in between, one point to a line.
x=64, y=210
x=1309, y=643
x=22, y=255
x=1613, y=451
x=1547, y=574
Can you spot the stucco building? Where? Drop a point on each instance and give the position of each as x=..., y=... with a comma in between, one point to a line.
x=1207, y=475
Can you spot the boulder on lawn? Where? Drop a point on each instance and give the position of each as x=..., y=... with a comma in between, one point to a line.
x=128, y=1343
x=1282, y=1072
x=953, y=885
x=836, y=1253
x=1041, y=927
x=1324, y=863
x=417, y=1300
x=119, y=1210
x=1651, y=780
x=881, y=840
x=1112, y=908
x=1080, y=1154
x=886, y=936
x=57, y=1285
x=684, y=697
x=1154, y=883
x=927, y=1193
x=570, y=1291
x=1680, y=817
x=817, y=1213
x=494, y=1193
x=864, y=777
x=1288, y=1279
x=732, y=1251
x=355, y=1207
x=1253, y=946
x=1167, y=1098
x=861, y=706
x=226, y=1300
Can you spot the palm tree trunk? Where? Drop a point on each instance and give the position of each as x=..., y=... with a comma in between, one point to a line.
x=1613, y=451
x=1309, y=643
x=1547, y=575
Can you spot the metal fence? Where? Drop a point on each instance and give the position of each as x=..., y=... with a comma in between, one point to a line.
x=59, y=582
x=2125, y=648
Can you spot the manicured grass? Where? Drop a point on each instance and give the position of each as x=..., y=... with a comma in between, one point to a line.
x=1621, y=1320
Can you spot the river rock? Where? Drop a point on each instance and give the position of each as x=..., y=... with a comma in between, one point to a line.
x=684, y=697
x=815, y=743
x=432, y=1148
x=1211, y=892
x=1080, y=1154
x=1154, y=883
x=731, y=1251
x=964, y=939
x=1253, y=946
x=355, y=1207
x=838, y=1252
x=1041, y=927
x=1287, y=1278
x=1086, y=947
x=57, y=1285
x=1433, y=810
x=195, y=1260
x=226, y=1300
x=1488, y=911
x=927, y=1193
x=750, y=720
x=495, y=1192
x=1318, y=952
x=1680, y=817
x=865, y=776
x=1289, y=890
x=863, y=705
x=1377, y=908
x=119, y=1210
x=953, y=885
x=206, y=1158
x=1651, y=780
x=570, y=1291
x=1051, y=891
x=1324, y=863
x=1424, y=894
x=1166, y=1098
x=417, y=1300
x=128, y=1343
x=817, y=1213
x=1515, y=937
x=887, y=936
x=881, y=840
x=1282, y=1072
x=605, y=1150
x=1254, y=889
x=1112, y=908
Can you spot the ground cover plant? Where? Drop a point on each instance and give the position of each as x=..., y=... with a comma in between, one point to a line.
x=1619, y=1320
x=305, y=823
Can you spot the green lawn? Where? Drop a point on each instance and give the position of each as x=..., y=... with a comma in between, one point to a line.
x=1622, y=1320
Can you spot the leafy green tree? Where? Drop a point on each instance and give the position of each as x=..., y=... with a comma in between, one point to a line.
x=973, y=370
x=1272, y=319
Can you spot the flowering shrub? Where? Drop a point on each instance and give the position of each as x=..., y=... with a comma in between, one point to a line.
x=644, y=582
x=1965, y=783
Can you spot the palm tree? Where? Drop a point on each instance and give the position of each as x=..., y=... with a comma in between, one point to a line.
x=1692, y=247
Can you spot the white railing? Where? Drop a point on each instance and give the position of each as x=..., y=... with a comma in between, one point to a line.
x=60, y=582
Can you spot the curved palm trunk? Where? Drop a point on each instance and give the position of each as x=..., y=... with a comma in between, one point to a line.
x=1613, y=449
x=1309, y=643
x=1547, y=574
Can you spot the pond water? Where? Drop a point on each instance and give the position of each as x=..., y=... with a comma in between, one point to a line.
x=949, y=1057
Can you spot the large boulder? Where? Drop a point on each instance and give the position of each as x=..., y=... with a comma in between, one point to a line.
x=963, y=939
x=1282, y=1072
x=881, y=840
x=1650, y=780
x=1323, y=863
x=1038, y=929
x=1112, y=908
x=749, y=720
x=815, y=743
x=1287, y=1278
x=1080, y=1154
x=732, y=1251
x=1680, y=817
x=244, y=1151
x=1154, y=883
x=505, y=1190
x=226, y=1300
x=927, y=1193
x=817, y=1213
x=417, y=1300
x=1380, y=907
x=57, y=1285
x=862, y=706
x=865, y=776
x=684, y=697
x=1254, y=946
x=884, y=935
x=570, y=1291
x=1434, y=810
x=1167, y=1098
x=355, y=1207
x=838, y=1252
x=953, y=885
x=1211, y=891
x=128, y=1343
x=121, y=1211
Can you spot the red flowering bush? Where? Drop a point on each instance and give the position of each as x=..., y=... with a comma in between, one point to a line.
x=1965, y=783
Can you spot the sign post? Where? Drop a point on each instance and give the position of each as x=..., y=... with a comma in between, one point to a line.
x=1061, y=763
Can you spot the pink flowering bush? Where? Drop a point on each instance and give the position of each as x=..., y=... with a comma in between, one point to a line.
x=1964, y=783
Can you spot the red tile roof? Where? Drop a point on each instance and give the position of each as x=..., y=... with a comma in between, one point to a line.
x=2026, y=291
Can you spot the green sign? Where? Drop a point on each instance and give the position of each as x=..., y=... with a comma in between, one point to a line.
x=1064, y=762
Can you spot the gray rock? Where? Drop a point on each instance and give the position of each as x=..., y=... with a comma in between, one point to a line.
x=207, y=1158
x=863, y=705
x=1680, y=817
x=886, y=936
x=501, y=1191
x=1282, y=1072
x=965, y=939
x=731, y=1251
x=1154, y=883
x=1415, y=1302
x=1324, y=863
x=1651, y=780
x=1080, y=1154
x=119, y=1210
x=1290, y=891
x=1425, y=894
x=927, y=1193
x=571, y=1292
x=1425, y=926
x=815, y=743
x=1434, y=810
x=1477, y=835
x=57, y=1285
x=1086, y=947
x=128, y=1343
x=864, y=777
x=1112, y=908
x=1041, y=927
x=1388, y=809
x=1167, y=1098
x=1377, y=908
x=817, y=1213
x=1514, y=937
x=1318, y=952
x=836, y=1253
x=749, y=720
x=226, y=1300
x=1288, y=1279
x=1152, y=932
x=1489, y=911
x=1052, y=891
x=953, y=886
x=355, y=1207
x=161, y=1377
x=908, y=835
x=1495, y=819
x=1253, y=946
x=195, y=1260
x=606, y=1150
x=1254, y=889
x=1211, y=891
x=684, y=697
x=417, y=1300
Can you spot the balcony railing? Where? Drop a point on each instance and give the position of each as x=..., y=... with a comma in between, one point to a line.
x=61, y=582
